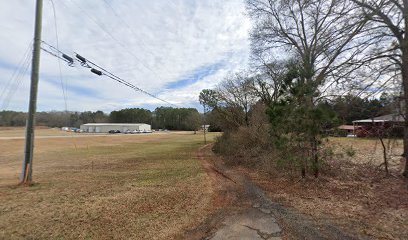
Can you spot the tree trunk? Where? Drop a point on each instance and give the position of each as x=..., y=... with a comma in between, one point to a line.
x=303, y=163
x=405, y=111
x=405, y=101
x=315, y=157
x=313, y=143
x=380, y=136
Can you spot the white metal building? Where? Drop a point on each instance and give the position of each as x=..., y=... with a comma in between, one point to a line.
x=106, y=127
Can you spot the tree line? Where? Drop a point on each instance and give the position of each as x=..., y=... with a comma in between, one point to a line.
x=315, y=63
x=162, y=117
x=346, y=108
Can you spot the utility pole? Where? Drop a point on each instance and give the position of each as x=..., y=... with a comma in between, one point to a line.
x=205, y=123
x=26, y=173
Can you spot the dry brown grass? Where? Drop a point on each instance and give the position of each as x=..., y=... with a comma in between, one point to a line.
x=352, y=192
x=42, y=131
x=107, y=187
x=368, y=151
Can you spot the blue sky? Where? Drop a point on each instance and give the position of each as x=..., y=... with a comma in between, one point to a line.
x=7, y=65
x=196, y=76
x=172, y=48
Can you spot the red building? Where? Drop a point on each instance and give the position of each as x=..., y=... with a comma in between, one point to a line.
x=386, y=126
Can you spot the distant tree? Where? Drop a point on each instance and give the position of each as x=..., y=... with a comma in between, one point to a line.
x=53, y=118
x=230, y=102
x=208, y=99
x=175, y=118
x=100, y=117
x=86, y=117
x=235, y=97
x=74, y=119
x=12, y=118
x=214, y=119
x=193, y=122
x=130, y=115
x=350, y=107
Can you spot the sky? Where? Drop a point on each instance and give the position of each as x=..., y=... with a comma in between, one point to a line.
x=170, y=48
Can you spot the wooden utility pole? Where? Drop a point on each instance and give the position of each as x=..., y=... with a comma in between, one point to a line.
x=26, y=173
x=204, y=127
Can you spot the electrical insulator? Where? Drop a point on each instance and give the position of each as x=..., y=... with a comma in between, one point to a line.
x=69, y=59
x=97, y=72
x=82, y=59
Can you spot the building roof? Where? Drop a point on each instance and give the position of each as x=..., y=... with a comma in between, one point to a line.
x=114, y=124
x=385, y=118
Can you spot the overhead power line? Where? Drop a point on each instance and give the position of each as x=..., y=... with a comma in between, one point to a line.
x=96, y=69
x=103, y=71
x=21, y=65
x=63, y=86
x=141, y=43
x=16, y=79
x=114, y=38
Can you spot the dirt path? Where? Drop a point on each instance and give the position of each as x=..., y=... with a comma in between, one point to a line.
x=243, y=211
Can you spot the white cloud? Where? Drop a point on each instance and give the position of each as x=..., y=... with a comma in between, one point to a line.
x=151, y=44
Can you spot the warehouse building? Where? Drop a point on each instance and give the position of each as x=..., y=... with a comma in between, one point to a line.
x=106, y=127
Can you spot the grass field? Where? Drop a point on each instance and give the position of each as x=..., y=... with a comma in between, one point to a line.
x=369, y=151
x=107, y=187
x=42, y=131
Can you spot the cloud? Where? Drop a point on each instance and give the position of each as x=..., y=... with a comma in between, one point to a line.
x=197, y=75
x=173, y=49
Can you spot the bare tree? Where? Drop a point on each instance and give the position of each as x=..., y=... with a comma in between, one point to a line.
x=268, y=80
x=391, y=25
x=235, y=93
x=324, y=36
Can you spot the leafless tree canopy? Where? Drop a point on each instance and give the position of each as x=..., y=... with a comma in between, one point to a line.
x=325, y=36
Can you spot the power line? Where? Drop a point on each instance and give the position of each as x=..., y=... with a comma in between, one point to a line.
x=16, y=79
x=57, y=53
x=103, y=28
x=98, y=70
x=141, y=43
x=124, y=46
x=53, y=54
x=16, y=86
x=59, y=59
x=16, y=71
x=122, y=81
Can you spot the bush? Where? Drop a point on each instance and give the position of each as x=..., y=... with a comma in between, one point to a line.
x=247, y=145
x=244, y=146
x=256, y=146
